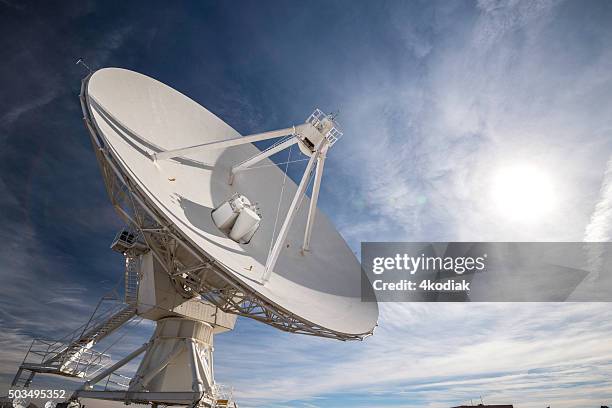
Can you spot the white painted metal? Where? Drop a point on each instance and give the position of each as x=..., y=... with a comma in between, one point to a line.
x=176, y=368
x=136, y=116
x=297, y=199
x=314, y=197
x=73, y=355
x=94, y=380
x=263, y=155
x=237, y=218
x=158, y=298
x=178, y=357
x=222, y=144
x=245, y=225
x=224, y=216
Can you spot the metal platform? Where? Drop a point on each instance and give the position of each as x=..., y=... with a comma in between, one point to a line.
x=72, y=355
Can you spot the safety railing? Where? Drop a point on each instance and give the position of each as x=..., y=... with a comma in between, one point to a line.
x=223, y=396
x=51, y=356
x=316, y=119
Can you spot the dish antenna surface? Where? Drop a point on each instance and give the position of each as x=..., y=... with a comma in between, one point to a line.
x=208, y=240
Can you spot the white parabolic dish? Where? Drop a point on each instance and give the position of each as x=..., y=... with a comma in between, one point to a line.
x=144, y=116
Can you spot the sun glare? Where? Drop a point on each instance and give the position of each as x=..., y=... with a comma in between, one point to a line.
x=522, y=193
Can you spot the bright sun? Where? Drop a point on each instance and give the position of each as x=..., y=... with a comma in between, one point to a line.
x=522, y=193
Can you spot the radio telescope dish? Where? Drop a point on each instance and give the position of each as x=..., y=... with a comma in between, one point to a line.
x=157, y=141
x=206, y=240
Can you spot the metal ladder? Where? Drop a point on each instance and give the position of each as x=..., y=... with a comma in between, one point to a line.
x=72, y=356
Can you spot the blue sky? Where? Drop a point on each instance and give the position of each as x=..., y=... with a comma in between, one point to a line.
x=437, y=99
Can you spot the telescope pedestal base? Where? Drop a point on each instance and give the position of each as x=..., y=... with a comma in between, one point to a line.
x=178, y=357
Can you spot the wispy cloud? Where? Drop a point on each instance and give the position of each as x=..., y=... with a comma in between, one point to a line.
x=509, y=87
x=420, y=150
x=48, y=86
x=434, y=97
x=599, y=227
x=14, y=114
x=437, y=355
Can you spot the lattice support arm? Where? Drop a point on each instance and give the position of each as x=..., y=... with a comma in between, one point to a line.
x=312, y=211
x=297, y=198
x=221, y=144
x=260, y=156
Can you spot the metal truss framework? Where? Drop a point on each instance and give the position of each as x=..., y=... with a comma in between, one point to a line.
x=192, y=271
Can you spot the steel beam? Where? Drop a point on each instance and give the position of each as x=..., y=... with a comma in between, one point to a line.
x=259, y=157
x=314, y=197
x=297, y=198
x=115, y=366
x=221, y=144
